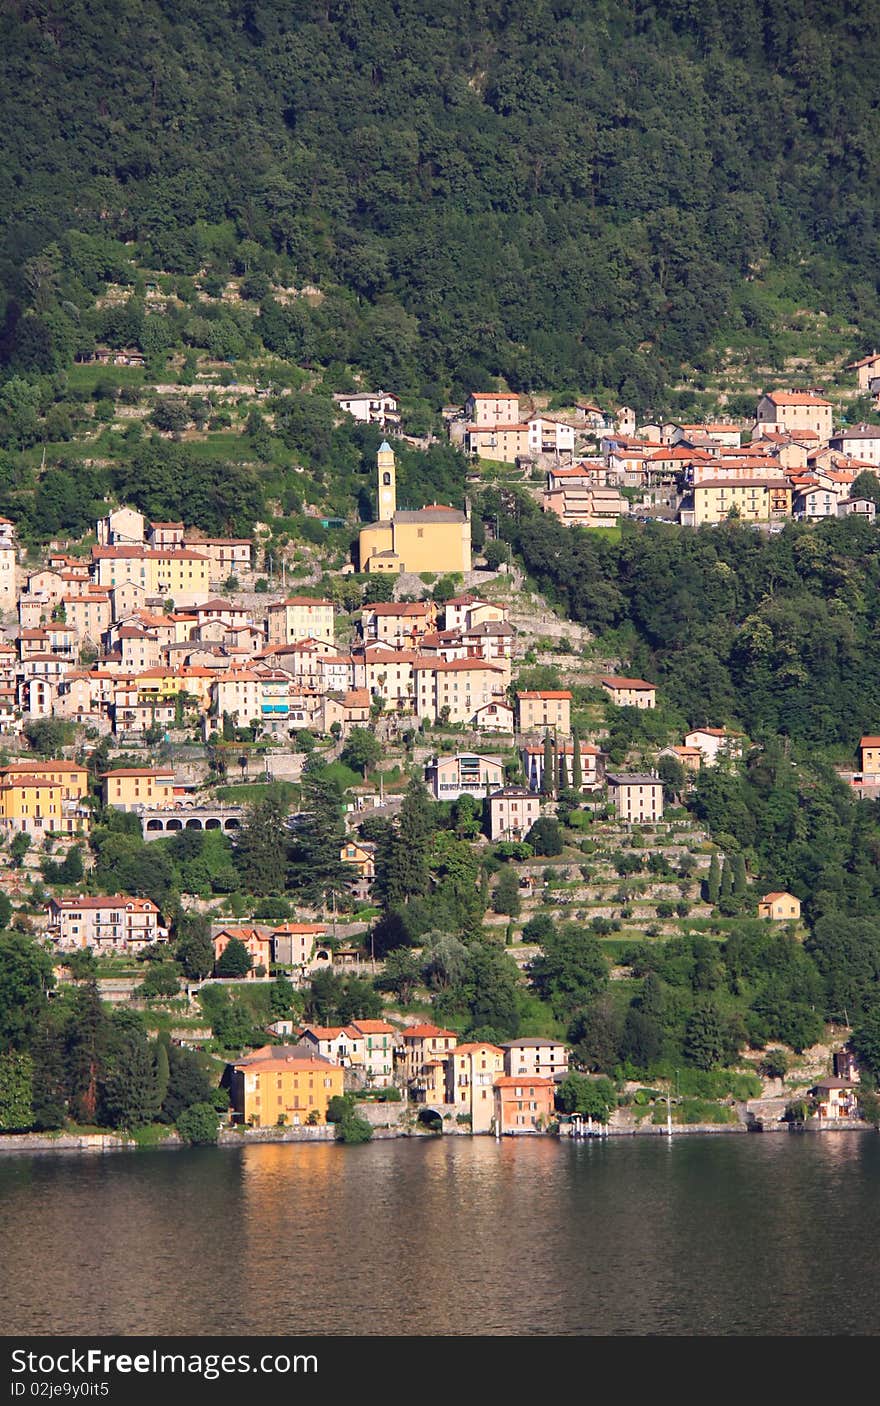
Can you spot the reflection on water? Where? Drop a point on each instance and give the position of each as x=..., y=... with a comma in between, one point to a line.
x=448, y=1236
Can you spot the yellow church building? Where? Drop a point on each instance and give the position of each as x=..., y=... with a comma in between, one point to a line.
x=436, y=538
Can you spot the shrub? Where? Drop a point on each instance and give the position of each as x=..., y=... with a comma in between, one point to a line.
x=199, y=1125
x=353, y=1129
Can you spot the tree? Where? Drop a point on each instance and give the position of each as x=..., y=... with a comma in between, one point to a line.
x=570, y=971
x=47, y=736
x=548, y=770
x=49, y=1093
x=353, y=1130
x=401, y=976
x=339, y=1106
x=577, y=770
x=283, y=998
x=235, y=960
x=506, y=898
x=362, y=750
x=188, y=1083
x=866, y=485
x=444, y=959
x=402, y=861
x=19, y=847
x=16, y=1092
x=545, y=836
x=87, y=1051
x=596, y=1035
x=260, y=854
x=319, y=870
x=488, y=993
x=25, y=978
x=593, y=1098
x=704, y=1043
x=672, y=774
x=131, y=1086
x=162, y=981
x=199, y=1125
x=713, y=880
x=194, y=950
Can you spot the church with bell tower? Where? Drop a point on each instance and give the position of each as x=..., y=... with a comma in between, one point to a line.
x=436, y=538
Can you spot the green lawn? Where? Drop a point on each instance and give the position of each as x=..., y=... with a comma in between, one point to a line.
x=85, y=378
x=251, y=791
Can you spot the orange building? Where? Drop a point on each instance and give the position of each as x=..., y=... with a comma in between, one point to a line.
x=523, y=1104
x=258, y=945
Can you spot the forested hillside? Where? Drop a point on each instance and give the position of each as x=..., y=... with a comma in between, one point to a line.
x=561, y=194
x=777, y=633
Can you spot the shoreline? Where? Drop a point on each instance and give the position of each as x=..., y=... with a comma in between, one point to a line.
x=101, y=1143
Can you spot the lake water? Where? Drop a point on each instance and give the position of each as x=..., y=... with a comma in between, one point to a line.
x=700, y=1235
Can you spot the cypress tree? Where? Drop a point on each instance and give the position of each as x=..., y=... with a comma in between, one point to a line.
x=740, y=879
x=163, y=1073
x=577, y=772
x=547, y=779
x=726, y=880
x=713, y=881
x=563, y=772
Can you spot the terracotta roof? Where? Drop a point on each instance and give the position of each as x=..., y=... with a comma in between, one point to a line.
x=300, y=600
x=35, y=767
x=393, y=608
x=511, y=1081
x=547, y=693
x=299, y=929
x=155, y=771
x=114, y=900
x=796, y=398
x=426, y=1032
x=613, y=682
x=742, y=483
x=330, y=1032
x=271, y=1064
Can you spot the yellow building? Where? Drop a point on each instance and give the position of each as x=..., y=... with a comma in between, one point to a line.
x=752, y=499
x=780, y=907
x=70, y=776
x=503, y=444
x=630, y=693
x=164, y=683
x=436, y=538
x=870, y=750
x=42, y=804
x=129, y=787
x=178, y=572
x=283, y=1084
x=471, y=1071
x=543, y=709
x=300, y=618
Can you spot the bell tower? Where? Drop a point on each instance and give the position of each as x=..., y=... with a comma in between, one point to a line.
x=387, y=480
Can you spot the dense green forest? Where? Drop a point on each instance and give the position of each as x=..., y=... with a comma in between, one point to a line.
x=580, y=194
x=777, y=633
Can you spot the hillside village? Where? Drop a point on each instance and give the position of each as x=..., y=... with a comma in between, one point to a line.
x=153, y=686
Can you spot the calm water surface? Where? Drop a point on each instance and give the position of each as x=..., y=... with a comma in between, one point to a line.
x=729, y=1235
